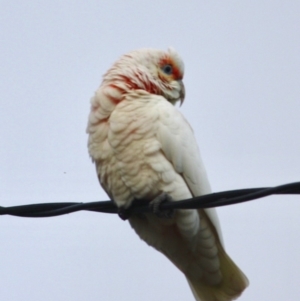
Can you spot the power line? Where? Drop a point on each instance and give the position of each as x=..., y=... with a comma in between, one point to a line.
x=217, y=199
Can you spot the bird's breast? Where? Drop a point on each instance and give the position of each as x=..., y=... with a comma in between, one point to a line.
x=136, y=167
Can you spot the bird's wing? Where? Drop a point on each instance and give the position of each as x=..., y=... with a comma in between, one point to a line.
x=180, y=148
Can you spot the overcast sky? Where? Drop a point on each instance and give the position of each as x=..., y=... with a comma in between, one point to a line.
x=242, y=62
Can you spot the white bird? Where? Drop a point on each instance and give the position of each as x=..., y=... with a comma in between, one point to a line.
x=144, y=149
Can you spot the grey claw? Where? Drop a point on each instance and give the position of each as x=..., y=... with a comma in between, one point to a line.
x=124, y=213
x=156, y=203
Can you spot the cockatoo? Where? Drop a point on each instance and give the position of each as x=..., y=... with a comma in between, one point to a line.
x=144, y=149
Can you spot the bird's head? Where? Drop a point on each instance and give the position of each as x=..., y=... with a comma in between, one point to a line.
x=155, y=71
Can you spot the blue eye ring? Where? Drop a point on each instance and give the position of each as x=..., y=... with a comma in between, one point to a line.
x=168, y=69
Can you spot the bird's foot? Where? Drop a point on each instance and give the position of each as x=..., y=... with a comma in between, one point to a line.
x=155, y=205
x=124, y=213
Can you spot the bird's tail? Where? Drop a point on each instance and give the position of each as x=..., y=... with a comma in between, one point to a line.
x=233, y=283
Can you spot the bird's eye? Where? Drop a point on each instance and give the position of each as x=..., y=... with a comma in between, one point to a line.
x=168, y=69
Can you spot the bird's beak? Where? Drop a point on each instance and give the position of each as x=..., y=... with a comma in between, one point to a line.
x=182, y=92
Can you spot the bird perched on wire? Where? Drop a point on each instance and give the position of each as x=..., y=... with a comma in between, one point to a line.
x=144, y=149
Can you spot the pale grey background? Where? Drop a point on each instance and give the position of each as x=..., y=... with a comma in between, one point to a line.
x=242, y=80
